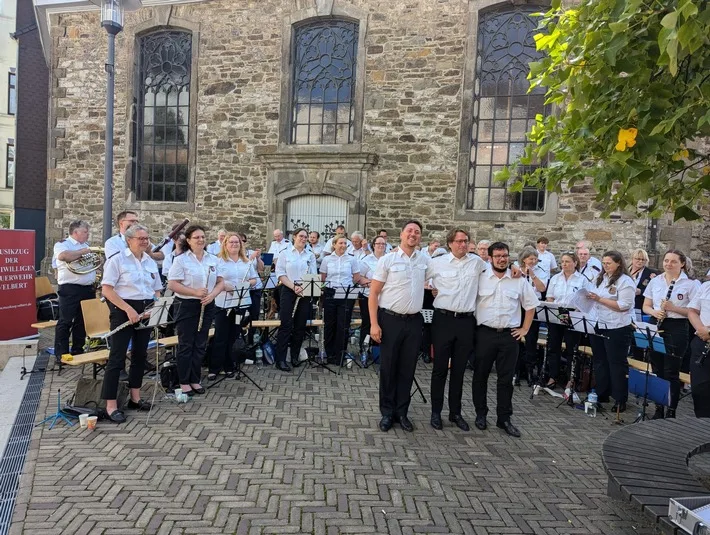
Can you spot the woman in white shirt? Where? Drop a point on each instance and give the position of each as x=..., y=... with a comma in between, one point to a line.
x=561, y=290
x=666, y=298
x=236, y=270
x=340, y=272
x=368, y=263
x=699, y=316
x=194, y=279
x=537, y=277
x=613, y=295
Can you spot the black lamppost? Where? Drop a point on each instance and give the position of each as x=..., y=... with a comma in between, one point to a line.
x=112, y=12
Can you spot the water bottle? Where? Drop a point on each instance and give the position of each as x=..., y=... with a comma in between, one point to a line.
x=591, y=405
x=363, y=358
x=259, y=354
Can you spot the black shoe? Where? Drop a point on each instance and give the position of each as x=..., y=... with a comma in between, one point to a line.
x=481, y=423
x=436, y=421
x=230, y=375
x=295, y=363
x=509, y=428
x=459, y=421
x=139, y=405
x=212, y=377
x=619, y=407
x=670, y=413
x=117, y=417
x=199, y=390
x=386, y=423
x=531, y=382
x=190, y=392
x=426, y=358
x=551, y=385
x=406, y=424
x=659, y=414
x=123, y=377
x=283, y=366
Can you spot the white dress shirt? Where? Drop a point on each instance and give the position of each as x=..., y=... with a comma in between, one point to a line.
x=339, y=270
x=328, y=247
x=541, y=274
x=591, y=269
x=623, y=292
x=499, y=300
x=403, y=277
x=193, y=273
x=277, y=247
x=259, y=283
x=64, y=276
x=214, y=247
x=235, y=274
x=684, y=290
x=439, y=251
x=132, y=278
x=168, y=249
x=562, y=289
x=456, y=281
x=295, y=265
x=116, y=244
x=358, y=253
x=701, y=303
x=368, y=264
x=546, y=261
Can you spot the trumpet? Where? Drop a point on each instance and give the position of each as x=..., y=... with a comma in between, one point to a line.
x=87, y=263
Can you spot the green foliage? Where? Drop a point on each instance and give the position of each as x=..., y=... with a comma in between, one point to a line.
x=630, y=80
x=4, y=220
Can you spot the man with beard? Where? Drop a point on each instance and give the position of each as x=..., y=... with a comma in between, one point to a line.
x=395, y=304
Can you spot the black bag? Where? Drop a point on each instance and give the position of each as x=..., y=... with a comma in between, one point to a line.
x=239, y=351
x=169, y=378
x=47, y=308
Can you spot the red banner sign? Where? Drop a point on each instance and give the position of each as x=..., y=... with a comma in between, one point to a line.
x=18, y=309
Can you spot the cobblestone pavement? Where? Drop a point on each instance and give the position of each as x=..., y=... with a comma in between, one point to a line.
x=306, y=457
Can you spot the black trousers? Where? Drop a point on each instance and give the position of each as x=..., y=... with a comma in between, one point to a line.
x=675, y=337
x=293, y=326
x=531, y=350
x=700, y=379
x=610, y=351
x=138, y=338
x=427, y=340
x=70, y=319
x=556, y=334
x=191, y=343
x=337, y=314
x=226, y=332
x=365, y=315
x=401, y=338
x=254, y=312
x=500, y=348
x=453, y=339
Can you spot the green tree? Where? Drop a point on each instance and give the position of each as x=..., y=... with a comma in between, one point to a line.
x=630, y=81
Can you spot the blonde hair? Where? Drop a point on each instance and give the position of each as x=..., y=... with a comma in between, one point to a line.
x=639, y=252
x=224, y=255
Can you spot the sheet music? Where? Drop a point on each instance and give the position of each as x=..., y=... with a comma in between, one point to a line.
x=237, y=298
x=580, y=301
x=584, y=324
x=160, y=312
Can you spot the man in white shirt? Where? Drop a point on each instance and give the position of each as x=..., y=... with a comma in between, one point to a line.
x=434, y=248
x=72, y=290
x=482, y=250
x=215, y=246
x=279, y=244
x=455, y=278
x=357, y=248
x=589, y=267
x=117, y=243
x=395, y=304
x=500, y=298
x=545, y=259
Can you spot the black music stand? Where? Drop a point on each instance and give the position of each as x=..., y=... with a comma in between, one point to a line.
x=647, y=338
x=549, y=313
x=351, y=292
x=311, y=287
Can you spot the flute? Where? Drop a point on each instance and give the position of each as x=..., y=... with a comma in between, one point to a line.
x=298, y=298
x=668, y=296
x=202, y=308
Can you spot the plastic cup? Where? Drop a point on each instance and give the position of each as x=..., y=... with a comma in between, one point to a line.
x=83, y=420
x=91, y=422
x=178, y=391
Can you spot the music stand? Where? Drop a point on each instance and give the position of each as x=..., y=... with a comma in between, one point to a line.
x=549, y=313
x=162, y=313
x=350, y=292
x=647, y=338
x=311, y=286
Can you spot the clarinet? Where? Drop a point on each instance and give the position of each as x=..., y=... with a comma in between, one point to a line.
x=706, y=351
x=668, y=296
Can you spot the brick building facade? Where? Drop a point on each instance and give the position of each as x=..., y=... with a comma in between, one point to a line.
x=236, y=147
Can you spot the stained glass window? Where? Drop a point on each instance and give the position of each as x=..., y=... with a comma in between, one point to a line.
x=324, y=63
x=163, y=116
x=503, y=110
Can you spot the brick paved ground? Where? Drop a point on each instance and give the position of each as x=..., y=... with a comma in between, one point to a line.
x=306, y=457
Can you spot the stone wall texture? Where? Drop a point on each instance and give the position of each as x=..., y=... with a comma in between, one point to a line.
x=415, y=52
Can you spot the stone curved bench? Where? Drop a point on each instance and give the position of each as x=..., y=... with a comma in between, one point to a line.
x=647, y=464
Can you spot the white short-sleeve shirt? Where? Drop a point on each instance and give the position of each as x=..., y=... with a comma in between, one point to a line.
x=132, y=278
x=295, y=265
x=64, y=276
x=701, y=303
x=499, y=300
x=623, y=291
x=562, y=289
x=403, y=277
x=684, y=289
x=193, y=273
x=456, y=281
x=546, y=261
x=339, y=270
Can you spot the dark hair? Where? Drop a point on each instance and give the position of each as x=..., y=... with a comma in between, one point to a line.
x=381, y=231
x=497, y=246
x=122, y=215
x=683, y=258
x=340, y=226
x=76, y=225
x=410, y=222
x=574, y=258
x=297, y=231
x=189, y=231
x=315, y=232
x=452, y=234
x=375, y=239
x=543, y=239
x=617, y=257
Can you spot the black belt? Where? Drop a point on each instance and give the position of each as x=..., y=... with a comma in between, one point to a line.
x=498, y=330
x=398, y=315
x=455, y=314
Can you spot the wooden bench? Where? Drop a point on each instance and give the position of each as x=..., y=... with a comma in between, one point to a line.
x=44, y=325
x=647, y=464
x=641, y=366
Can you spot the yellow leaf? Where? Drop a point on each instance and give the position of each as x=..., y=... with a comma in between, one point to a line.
x=706, y=170
x=626, y=138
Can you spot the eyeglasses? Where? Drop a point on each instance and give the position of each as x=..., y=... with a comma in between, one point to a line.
x=461, y=241
x=500, y=256
x=146, y=238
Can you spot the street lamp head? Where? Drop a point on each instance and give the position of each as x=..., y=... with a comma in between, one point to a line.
x=112, y=12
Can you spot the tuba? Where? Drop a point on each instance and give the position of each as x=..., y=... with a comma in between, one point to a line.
x=87, y=263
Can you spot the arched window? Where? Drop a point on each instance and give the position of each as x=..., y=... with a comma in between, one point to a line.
x=324, y=64
x=503, y=111
x=162, y=137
